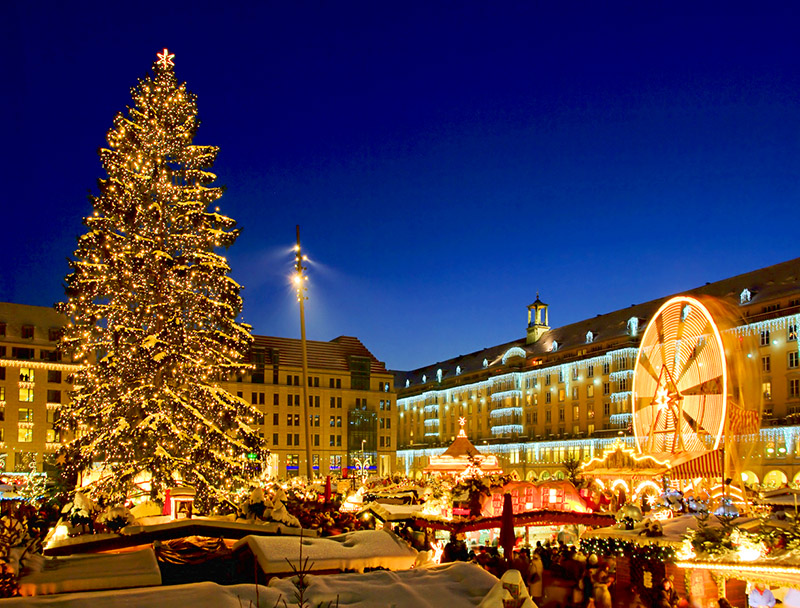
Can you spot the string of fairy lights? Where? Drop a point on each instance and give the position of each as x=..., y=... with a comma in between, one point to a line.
x=152, y=311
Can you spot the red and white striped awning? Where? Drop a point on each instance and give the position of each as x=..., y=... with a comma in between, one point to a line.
x=706, y=464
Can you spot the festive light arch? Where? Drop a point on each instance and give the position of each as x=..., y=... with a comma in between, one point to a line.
x=620, y=482
x=642, y=487
x=680, y=381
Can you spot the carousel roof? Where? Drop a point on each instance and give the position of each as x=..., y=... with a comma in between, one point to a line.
x=461, y=455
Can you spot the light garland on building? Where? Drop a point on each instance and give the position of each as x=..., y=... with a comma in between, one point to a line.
x=506, y=411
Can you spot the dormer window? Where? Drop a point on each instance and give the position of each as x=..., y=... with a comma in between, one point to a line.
x=439, y=375
x=424, y=378
x=685, y=311
x=633, y=326
x=485, y=363
x=589, y=337
x=745, y=296
x=408, y=382
x=514, y=351
x=554, y=347
x=458, y=370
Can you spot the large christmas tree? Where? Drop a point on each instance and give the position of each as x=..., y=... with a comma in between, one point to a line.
x=153, y=312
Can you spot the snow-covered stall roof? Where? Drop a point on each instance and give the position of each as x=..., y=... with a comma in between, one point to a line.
x=389, y=512
x=352, y=551
x=154, y=529
x=196, y=595
x=455, y=585
x=93, y=572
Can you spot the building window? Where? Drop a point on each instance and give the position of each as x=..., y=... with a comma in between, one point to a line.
x=590, y=391
x=576, y=413
x=764, y=338
x=560, y=376
x=766, y=390
x=791, y=333
x=575, y=392
x=25, y=435
x=606, y=410
x=289, y=420
x=2, y=393
x=561, y=394
x=2, y=328
x=275, y=439
x=765, y=364
x=53, y=396
x=590, y=371
x=27, y=332
x=54, y=376
x=25, y=374
x=547, y=397
x=54, y=334
x=547, y=416
x=623, y=384
x=275, y=419
x=547, y=380
x=606, y=368
x=26, y=395
x=794, y=388
x=793, y=359
x=26, y=414
x=606, y=388
x=575, y=372
x=276, y=399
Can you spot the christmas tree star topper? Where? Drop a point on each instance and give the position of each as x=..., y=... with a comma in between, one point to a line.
x=165, y=59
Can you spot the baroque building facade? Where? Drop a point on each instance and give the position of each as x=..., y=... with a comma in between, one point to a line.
x=352, y=404
x=565, y=392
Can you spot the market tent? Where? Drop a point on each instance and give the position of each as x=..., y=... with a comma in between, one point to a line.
x=691, y=465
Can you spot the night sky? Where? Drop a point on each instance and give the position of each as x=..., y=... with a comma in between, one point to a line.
x=444, y=163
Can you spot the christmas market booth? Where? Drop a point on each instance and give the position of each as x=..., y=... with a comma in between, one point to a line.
x=542, y=508
x=705, y=557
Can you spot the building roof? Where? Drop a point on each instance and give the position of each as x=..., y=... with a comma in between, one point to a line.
x=763, y=285
x=333, y=355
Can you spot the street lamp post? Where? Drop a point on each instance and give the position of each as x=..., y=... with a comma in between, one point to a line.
x=300, y=283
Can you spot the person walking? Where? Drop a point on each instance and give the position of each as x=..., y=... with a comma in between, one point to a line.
x=761, y=597
x=535, y=578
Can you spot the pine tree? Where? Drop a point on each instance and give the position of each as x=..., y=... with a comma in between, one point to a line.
x=152, y=312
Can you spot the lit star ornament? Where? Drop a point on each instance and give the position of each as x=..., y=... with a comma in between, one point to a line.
x=165, y=59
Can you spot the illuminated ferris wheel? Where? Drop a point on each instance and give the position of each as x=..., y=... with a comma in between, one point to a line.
x=680, y=381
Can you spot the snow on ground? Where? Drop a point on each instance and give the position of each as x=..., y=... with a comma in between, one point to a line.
x=84, y=572
x=352, y=551
x=457, y=585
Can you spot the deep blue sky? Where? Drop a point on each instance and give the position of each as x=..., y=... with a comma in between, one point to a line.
x=444, y=163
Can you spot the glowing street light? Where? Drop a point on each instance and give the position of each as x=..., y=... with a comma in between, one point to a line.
x=299, y=280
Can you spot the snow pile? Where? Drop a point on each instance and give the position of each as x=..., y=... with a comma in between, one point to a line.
x=91, y=572
x=352, y=551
